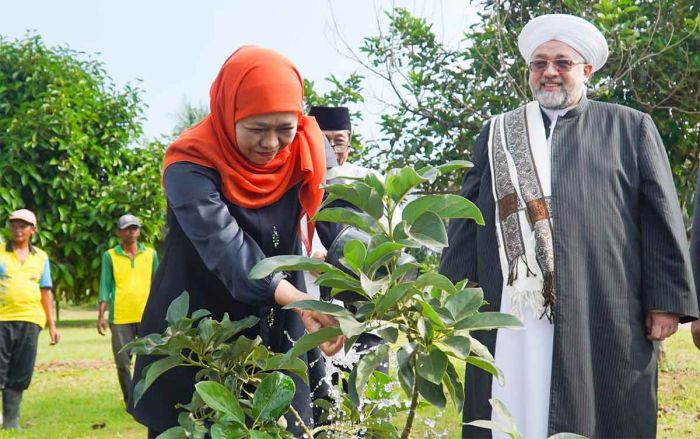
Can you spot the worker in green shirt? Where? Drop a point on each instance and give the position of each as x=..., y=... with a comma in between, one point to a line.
x=125, y=281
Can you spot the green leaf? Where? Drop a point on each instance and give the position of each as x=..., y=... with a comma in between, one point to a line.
x=290, y=364
x=382, y=251
x=486, y=365
x=405, y=369
x=432, y=366
x=393, y=296
x=310, y=341
x=458, y=345
x=464, y=303
x=428, y=311
x=178, y=308
x=363, y=369
x=155, y=369
x=219, y=431
x=433, y=393
x=454, y=387
x=372, y=287
x=444, y=206
x=428, y=229
x=400, y=181
x=200, y=313
x=453, y=165
x=219, y=398
x=341, y=215
x=389, y=334
x=434, y=280
x=488, y=320
x=354, y=254
x=272, y=398
x=273, y=264
x=173, y=433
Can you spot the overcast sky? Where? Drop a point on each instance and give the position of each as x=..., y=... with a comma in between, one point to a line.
x=175, y=48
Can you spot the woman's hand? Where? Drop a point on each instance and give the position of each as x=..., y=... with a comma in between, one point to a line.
x=286, y=293
x=313, y=321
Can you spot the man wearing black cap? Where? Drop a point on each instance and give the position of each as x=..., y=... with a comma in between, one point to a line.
x=336, y=126
x=125, y=281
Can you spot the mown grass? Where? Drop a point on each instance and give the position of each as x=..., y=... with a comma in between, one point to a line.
x=75, y=393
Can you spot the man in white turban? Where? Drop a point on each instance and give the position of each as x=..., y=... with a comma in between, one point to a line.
x=583, y=220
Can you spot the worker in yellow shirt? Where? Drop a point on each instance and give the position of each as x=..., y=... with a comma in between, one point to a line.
x=26, y=305
x=125, y=281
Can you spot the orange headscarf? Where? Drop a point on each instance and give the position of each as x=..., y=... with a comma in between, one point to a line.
x=254, y=81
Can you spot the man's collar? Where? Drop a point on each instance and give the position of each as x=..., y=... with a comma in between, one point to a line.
x=120, y=251
x=578, y=109
x=10, y=248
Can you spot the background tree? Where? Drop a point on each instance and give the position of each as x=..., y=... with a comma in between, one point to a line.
x=65, y=131
x=188, y=116
x=444, y=95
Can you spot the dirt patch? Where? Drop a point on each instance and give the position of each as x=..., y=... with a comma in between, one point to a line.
x=58, y=365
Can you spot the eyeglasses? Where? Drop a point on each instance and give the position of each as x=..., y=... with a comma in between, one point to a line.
x=561, y=65
x=340, y=147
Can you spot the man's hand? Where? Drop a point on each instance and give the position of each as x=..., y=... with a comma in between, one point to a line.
x=661, y=325
x=695, y=331
x=102, y=326
x=313, y=321
x=54, y=336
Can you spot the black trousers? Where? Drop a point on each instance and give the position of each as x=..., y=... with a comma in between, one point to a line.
x=121, y=335
x=18, y=343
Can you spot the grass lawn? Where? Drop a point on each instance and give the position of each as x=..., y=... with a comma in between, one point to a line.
x=75, y=394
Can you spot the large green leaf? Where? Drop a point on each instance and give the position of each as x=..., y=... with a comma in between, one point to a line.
x=289, y=263
x=464, y=303
x=310, y=341
x=400, y=181
x=341, y=215
x=340, y=281
x=433, y=393
x=155, y=370
x=432, y=366
x=428, y=229
x=444, y=206
x=372, y=287
x=178, y=308
x=405, y=369
x=459, y=345
x=354, y=254
x=488, y=320
x=454, y=386
x=363, y=369
x=272, y=398
x=219, y=398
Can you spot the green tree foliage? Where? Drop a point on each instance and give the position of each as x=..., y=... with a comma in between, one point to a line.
x=444, y=95
x=65, y=131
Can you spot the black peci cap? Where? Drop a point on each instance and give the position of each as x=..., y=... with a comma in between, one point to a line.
x=332, y=118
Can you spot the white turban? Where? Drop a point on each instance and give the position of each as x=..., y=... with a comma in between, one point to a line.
x=574, y=31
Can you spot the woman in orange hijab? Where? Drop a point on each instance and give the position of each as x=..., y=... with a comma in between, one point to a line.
x=237, y=185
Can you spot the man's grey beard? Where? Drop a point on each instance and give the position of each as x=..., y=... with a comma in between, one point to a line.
x=558, y=100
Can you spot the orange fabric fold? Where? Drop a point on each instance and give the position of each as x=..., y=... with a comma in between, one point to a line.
x=253, y=81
